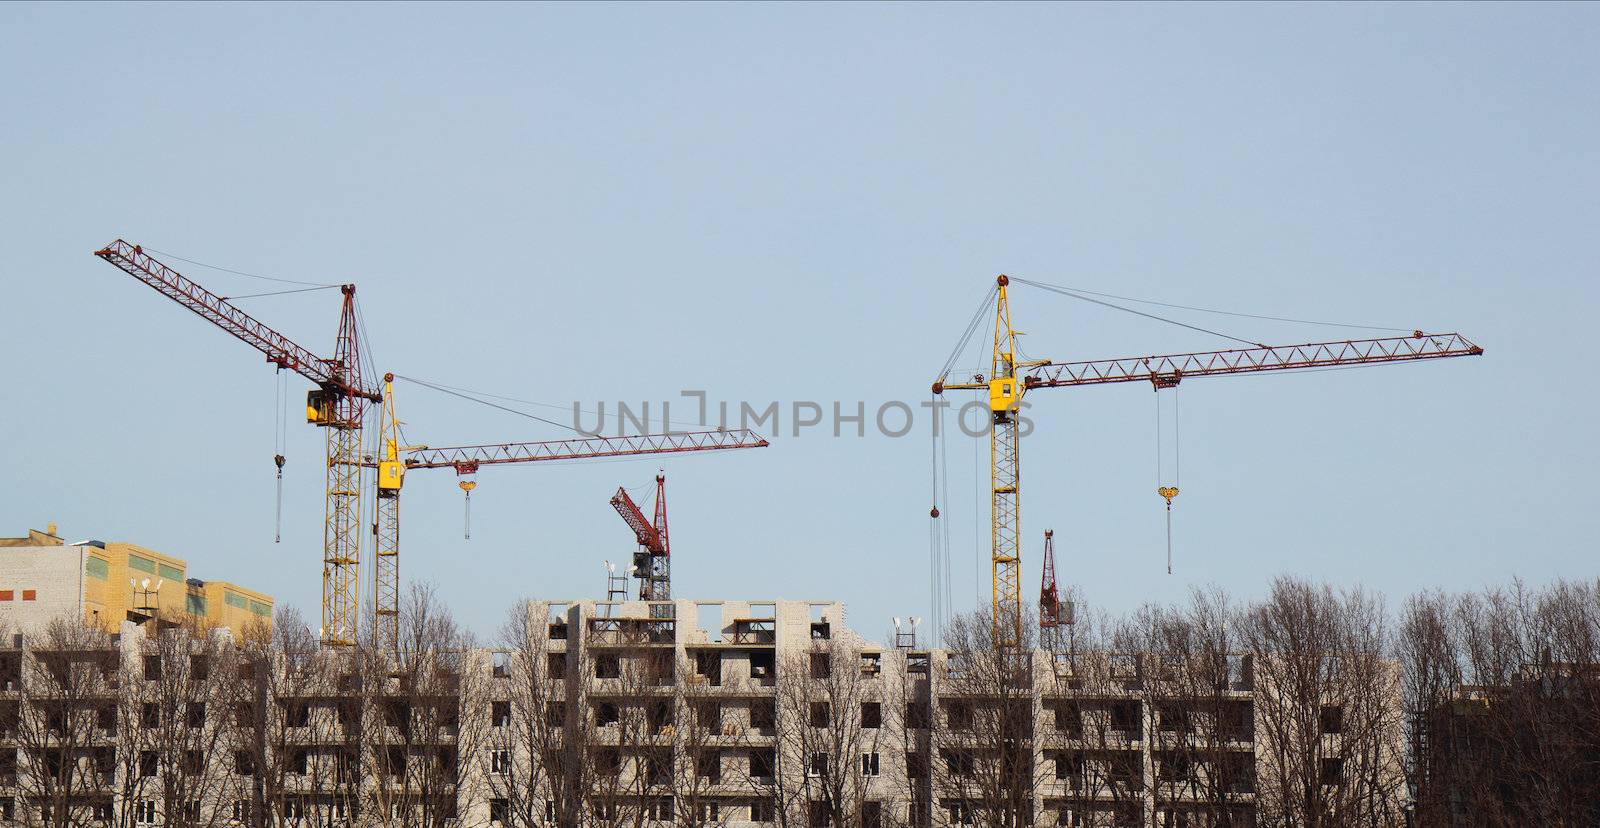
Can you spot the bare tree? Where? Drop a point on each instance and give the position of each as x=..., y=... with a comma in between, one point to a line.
x=181, y=727
x=1204, y=714
x=908, y=707
x=65, y=705
x=1427, y=649
x=1104, y=716
x=633, y=705
x=1327, y=704
x=277, y=671
x=987, y=763
x=540, y=730
x=830, y=734
x=1092, y=703
x=1504, y=690
x=702, y=744
x=425, y=719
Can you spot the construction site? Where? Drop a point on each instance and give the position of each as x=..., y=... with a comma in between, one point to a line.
x=173, y=701
x=823, y=278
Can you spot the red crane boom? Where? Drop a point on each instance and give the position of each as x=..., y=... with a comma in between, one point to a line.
x=1167, y=371
x=647, y=535
x=467, y=459
x=280, y=350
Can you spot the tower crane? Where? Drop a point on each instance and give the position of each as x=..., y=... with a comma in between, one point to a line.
x=1009, y=378
x=652, y=563
x=338, y=404
x=397, y=460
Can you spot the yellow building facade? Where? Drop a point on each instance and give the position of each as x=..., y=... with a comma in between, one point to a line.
x=118, y=581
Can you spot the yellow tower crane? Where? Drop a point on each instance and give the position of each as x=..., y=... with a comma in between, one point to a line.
x=1010, y=378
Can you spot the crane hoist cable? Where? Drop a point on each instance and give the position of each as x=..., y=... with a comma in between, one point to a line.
x=935, y=592
x=972, y=328
x=941, y=589
x=944, y=497
x=280, y=413
x=979, y=554
x=1165, y=491
x=279, y=438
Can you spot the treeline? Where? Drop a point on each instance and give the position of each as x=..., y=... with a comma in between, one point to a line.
x=1502, y=695
x=1481, y=708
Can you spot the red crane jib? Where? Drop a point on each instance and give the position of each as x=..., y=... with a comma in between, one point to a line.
x=1167, y=371
x=279, y=349
x=469, y=458
x=648, y=537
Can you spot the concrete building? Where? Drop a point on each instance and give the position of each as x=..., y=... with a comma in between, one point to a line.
x=42, y=577
x=744, y=714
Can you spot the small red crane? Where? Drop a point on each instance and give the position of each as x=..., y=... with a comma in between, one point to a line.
x=652, y=562
x=1049, y=598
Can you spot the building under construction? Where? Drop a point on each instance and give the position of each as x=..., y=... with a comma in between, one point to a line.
x=631, y=713
x=645, y=709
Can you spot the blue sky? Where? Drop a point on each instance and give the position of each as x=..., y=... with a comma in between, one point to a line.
x=805, y=202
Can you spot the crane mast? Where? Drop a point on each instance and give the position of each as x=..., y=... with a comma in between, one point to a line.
x=341, y=416
x=386, y=527
x=338, y=404
x=1009, y=379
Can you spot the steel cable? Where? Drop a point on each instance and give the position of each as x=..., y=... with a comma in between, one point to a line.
x=1223, y=312
x=237, y=272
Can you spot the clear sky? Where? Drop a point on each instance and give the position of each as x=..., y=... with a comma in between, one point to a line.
x=806, y=202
